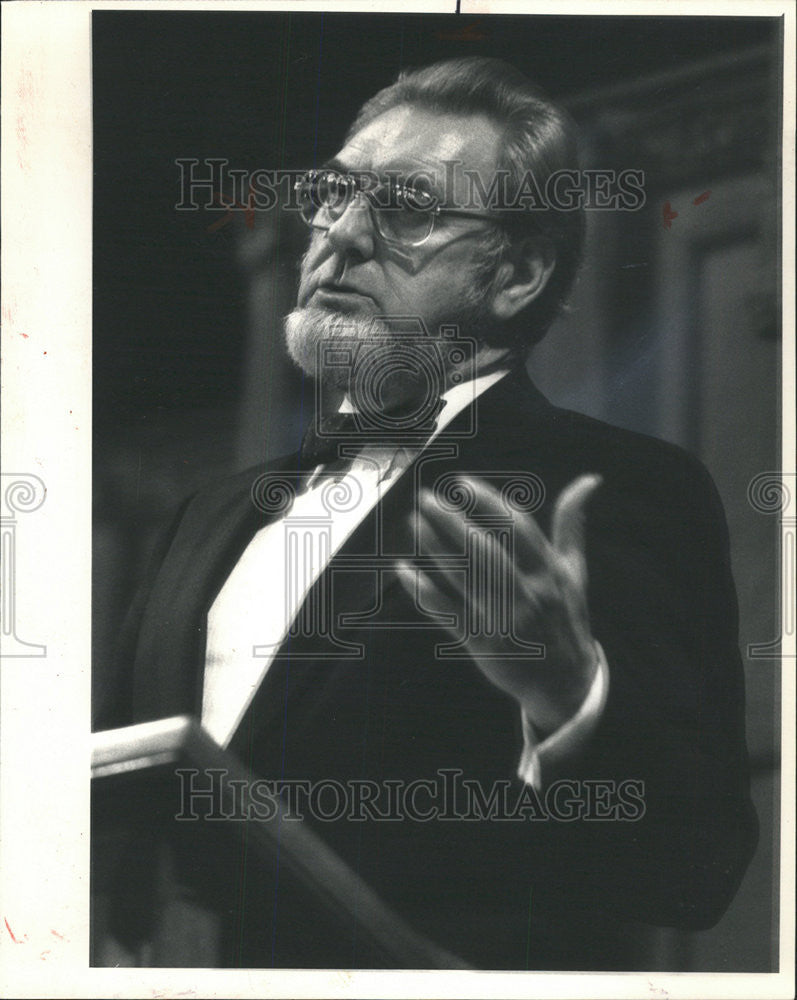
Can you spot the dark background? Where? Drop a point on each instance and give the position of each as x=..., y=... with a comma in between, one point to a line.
x=673, y=330
x=278, y=90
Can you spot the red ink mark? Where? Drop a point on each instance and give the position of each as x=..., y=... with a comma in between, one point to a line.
x=45, y=952
x=8, y=928
x=25, y=86
x=248, y=210
x=22, y=138
x=55, y=933
x=24, y=335
x=701, y=198
x=472, y=32
x=667, y=215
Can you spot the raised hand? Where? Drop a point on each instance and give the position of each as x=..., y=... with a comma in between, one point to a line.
x=546, y=589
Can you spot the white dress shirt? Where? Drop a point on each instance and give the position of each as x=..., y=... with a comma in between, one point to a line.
x=260, y=599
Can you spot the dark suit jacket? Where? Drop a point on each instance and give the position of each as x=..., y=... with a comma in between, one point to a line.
x=534, y=894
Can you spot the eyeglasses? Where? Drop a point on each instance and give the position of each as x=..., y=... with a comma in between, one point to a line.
x=403, y=214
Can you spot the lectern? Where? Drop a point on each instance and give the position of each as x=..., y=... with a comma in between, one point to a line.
x=162, y=886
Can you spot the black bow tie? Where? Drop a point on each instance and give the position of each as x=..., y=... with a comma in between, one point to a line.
x=323, y=438
x=326, y=435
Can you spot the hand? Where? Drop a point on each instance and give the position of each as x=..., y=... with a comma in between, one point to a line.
x=547, y=596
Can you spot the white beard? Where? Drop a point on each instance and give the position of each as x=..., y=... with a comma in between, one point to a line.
x=387, y=366
x=382, y=367
x=309, y=330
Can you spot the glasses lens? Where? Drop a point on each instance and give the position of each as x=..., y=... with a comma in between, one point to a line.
x=409, y=218
x=323, y=197
x=405, y=215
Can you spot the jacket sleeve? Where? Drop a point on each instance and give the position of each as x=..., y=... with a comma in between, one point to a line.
x=663, y=607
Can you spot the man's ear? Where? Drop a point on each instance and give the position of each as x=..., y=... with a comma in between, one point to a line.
x=521, y=277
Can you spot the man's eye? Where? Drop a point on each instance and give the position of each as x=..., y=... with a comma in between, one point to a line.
x=333, y=189
x=418, y=200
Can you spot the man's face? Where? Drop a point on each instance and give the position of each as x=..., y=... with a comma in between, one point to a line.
x=349, y=274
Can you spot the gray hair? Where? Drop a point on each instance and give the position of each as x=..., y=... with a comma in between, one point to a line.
x=538, y=137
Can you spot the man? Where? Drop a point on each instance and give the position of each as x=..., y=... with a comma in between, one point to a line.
x=507, y=595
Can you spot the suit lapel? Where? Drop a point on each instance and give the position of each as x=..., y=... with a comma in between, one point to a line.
x=211, y=538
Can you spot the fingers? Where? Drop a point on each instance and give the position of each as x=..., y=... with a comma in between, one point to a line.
x=487, y=588
x=531, y=549
x=427, y=595
x=438, y=546
x=567, y=523
x=488, y=499
x=442, y=531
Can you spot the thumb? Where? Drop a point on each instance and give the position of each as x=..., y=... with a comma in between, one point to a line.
x=567, y=523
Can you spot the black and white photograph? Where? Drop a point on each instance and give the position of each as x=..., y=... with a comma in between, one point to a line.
x=435, y=509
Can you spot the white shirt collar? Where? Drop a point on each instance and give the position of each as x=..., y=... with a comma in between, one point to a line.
x=456, y=398
x=392, y=458
x=462, y=395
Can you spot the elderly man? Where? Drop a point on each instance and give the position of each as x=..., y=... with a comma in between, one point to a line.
x=512, y=626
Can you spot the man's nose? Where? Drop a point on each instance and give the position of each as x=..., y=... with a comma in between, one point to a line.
x=354, y=230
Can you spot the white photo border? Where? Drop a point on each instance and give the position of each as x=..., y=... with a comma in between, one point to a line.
x=47, y=397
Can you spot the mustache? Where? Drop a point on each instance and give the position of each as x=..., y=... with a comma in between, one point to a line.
x=410, y=262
